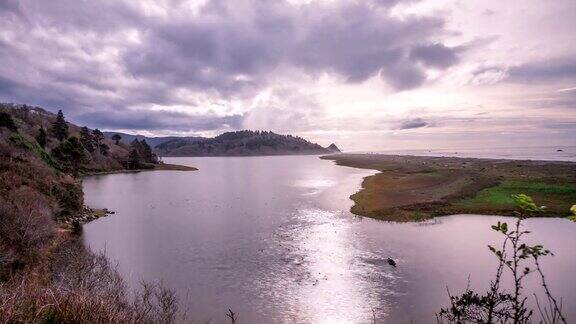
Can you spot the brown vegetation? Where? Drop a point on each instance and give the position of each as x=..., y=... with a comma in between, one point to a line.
x=411, y=188
x=46, y=275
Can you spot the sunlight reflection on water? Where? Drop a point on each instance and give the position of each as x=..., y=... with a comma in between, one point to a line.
x=272, y=238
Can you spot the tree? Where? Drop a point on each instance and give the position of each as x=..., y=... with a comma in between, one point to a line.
x=98, y=137
x=60, y=127
x=134, y=159
x=7, y=121
x=87, y=139
x=117, y=138
x=42, y=137
x=70, y=154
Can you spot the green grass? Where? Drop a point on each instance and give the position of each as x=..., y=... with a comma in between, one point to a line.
x=19, y=140
x=433, y=174
x=543, y=193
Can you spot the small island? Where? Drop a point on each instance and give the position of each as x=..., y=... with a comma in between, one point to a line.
x=409, y=188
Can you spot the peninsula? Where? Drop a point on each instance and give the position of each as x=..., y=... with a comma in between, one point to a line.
x=408, y=188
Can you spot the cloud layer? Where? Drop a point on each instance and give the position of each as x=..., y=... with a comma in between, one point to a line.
x=207, y=66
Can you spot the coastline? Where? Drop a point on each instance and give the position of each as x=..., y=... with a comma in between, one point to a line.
x=157, y=167
x=413, y=188
x=90, y=214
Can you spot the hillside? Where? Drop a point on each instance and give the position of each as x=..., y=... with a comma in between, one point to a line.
x=240, y=143
x=29, y=120
x=153, y=141
x=46, y=273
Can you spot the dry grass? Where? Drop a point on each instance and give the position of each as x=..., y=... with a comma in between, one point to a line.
x=81, y=287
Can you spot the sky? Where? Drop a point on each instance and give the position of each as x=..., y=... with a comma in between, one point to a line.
x=366, y=75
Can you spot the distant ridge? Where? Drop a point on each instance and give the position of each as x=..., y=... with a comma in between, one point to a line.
x=240, y=143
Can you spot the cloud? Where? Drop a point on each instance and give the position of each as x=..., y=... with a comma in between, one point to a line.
x=120, y=56
x=158, y=120
x=550, y=70
x=435, y=55
x=236, y=47
x=413, y=123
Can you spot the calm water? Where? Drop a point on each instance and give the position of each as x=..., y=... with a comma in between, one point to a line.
x=272, y=238
x=544, y=153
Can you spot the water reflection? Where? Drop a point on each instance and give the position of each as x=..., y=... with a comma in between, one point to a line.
x=272, y=238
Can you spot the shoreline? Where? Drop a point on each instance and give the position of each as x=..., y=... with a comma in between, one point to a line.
x=90, y=214
x=157, y=167
x=412, y=188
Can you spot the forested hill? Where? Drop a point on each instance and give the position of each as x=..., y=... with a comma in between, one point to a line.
x=240, y=143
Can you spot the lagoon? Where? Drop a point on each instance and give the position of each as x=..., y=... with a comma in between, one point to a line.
x=272, y=239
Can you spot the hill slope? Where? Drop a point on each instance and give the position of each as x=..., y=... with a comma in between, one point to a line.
x=240, y=143
x=153, y=141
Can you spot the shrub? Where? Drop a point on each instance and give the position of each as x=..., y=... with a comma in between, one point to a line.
x=25, y=227
x=84, y=288
x=7, y=121
x=22, y=142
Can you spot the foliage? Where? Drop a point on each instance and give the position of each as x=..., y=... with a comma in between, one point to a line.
x=87, y=139
x=243, y=142
x=7, y=121
x=42, y=137
x=526, y=204
x=141, y=154
x=116, y=138
x=518, y=259
x=83, y=287
x=573, y=210
x=60, y=127
x=98, y=137
x=70, y=154
x=22, y=142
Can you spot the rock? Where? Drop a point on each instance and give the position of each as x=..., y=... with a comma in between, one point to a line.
x=391, y=262
x=333, y=148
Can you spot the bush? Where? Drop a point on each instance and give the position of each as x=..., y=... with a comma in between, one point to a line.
x=7, y=121
x=25, y=227
x=84, y=288
x=70, y=197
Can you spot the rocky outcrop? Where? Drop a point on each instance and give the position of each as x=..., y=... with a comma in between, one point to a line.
x=333, y=148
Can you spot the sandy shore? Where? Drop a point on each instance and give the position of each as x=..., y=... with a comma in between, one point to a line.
x=411, y=188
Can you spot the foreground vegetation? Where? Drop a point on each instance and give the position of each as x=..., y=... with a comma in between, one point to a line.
x=46, y=275
x=517, y=260
x=409, y=188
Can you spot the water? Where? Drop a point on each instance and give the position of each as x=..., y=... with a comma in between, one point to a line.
x=272, y=239
x=543, y=153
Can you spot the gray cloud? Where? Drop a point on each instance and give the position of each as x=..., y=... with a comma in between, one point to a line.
x=544, y=71
x=141, y=119
x=435, y=55
x=413, y=123
x=76, y=56
x=351, y=39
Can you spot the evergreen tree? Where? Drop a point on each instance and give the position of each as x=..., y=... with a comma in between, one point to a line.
x=70, y=154
x=117, y=138
x=60, y=127
x=87, y=139
x=134, y=159
x=146, y=152
x=42, y=137
x=98, y=137
x=7, y=121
